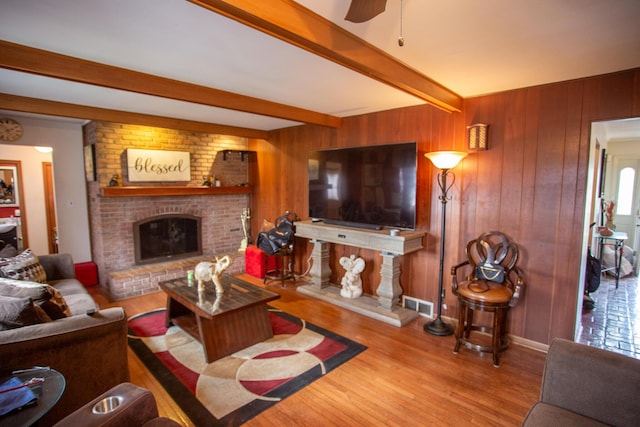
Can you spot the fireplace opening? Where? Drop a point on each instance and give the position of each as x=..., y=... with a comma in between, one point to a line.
x=164, y=237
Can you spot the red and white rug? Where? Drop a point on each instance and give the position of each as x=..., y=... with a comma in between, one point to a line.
x=234, y=389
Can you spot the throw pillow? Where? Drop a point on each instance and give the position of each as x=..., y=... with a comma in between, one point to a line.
x=45, y=296
x=17, y=312
x=24, y=266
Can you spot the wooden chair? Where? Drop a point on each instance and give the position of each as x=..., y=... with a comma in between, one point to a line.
x=494, y=284
x=283, y=269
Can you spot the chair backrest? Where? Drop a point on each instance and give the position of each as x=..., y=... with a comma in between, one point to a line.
x=492, y=257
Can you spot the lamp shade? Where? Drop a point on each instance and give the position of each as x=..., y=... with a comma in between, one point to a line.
x=445, y=159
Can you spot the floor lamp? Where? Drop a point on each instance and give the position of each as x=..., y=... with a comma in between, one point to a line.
x=443, y=160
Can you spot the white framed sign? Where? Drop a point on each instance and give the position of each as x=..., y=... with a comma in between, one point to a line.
x=158, y=165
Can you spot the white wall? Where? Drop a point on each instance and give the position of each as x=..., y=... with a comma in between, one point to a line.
x=65, y=136
x=33, y=205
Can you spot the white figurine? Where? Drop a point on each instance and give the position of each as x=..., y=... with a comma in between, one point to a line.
x=351, y=281
x=211, y=271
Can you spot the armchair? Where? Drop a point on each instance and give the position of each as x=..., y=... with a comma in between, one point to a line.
x=586, y=386
x=123, y=405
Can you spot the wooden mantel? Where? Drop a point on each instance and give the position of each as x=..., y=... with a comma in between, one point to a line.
x=159, y=191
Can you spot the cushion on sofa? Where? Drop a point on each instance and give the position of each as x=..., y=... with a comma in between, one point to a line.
x=18, y=312
x=543, y=414
x=81, y=303
x=76, y=296
x=24, y=266
x=43, y=295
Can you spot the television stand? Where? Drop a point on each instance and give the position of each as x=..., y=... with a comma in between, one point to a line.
x=386, y=306
x=353, y=224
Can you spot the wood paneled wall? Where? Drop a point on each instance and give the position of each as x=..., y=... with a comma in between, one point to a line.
x=530, y=184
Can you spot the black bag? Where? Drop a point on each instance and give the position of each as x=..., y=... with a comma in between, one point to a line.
x=490, y=272
x=592, y=276
x=279, y=237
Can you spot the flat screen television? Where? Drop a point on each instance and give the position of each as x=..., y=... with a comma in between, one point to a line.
x=369, y=187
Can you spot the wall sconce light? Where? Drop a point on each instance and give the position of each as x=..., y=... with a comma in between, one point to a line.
x=478, y=137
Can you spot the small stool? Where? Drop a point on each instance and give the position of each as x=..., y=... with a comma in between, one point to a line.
x=283, y=271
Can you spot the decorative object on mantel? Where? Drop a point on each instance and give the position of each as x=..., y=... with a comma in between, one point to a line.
x=351, y=281
x=207, y=271
x=443, y=160
x=246, y=240
x=208, y=181
x=158, y=165
x=113, y=182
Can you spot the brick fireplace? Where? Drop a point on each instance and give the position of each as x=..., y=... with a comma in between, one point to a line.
x=112, y=219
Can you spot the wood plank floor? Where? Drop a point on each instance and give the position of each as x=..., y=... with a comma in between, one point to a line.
x=406, y=377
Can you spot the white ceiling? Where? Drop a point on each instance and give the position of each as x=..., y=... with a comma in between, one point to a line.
x=471, y=47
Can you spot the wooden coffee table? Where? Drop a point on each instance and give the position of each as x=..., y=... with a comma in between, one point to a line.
x=223, y=323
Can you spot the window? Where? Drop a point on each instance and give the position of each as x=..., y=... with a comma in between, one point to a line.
x=625, y=191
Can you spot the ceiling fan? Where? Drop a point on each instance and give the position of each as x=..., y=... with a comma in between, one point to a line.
x=364, y=10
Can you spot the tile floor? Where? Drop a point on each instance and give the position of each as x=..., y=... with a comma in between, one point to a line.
x=614, y=322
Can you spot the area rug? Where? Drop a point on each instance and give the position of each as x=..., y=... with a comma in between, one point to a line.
x=234, y=389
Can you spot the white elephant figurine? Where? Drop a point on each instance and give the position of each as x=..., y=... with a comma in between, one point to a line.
x=207, y=271
x=351, y=281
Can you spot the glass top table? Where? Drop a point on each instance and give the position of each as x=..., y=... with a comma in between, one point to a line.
x=238, y=294
x=48, y=392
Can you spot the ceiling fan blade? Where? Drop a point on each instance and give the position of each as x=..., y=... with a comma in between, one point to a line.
x=363, y=10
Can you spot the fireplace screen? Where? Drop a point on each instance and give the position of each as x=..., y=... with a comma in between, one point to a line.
x=166, y=237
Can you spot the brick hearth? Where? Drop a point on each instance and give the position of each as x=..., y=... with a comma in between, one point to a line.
x=144, y=278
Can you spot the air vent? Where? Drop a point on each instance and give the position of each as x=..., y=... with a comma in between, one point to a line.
x=424, y=308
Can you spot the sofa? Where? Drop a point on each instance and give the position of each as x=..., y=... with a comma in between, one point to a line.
x=123, y=405
x=87, y=345
x=587, y=386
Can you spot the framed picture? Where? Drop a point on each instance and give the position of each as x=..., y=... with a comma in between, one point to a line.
x=90, y=162
x=158, y=165
x=603, y=170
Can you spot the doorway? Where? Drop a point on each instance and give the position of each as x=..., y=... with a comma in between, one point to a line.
x=32, y=211
x=613, y=175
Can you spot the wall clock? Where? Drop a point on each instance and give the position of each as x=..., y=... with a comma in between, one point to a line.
x=10, y=130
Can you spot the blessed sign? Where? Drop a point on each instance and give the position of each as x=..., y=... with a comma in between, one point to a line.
x=158, y=165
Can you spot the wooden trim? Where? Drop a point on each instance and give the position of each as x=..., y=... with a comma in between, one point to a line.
x=63, y=109
x=50, y=206
x=159, y=191
x=36, y=61
x=295, y=24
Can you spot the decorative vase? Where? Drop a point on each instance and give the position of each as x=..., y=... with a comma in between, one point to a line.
x=610, y=225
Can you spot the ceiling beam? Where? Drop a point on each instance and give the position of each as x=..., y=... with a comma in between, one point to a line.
x=36, y=61
x=63, y=109
x=293, y=23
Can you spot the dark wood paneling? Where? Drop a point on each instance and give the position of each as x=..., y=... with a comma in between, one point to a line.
x=531, y=184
